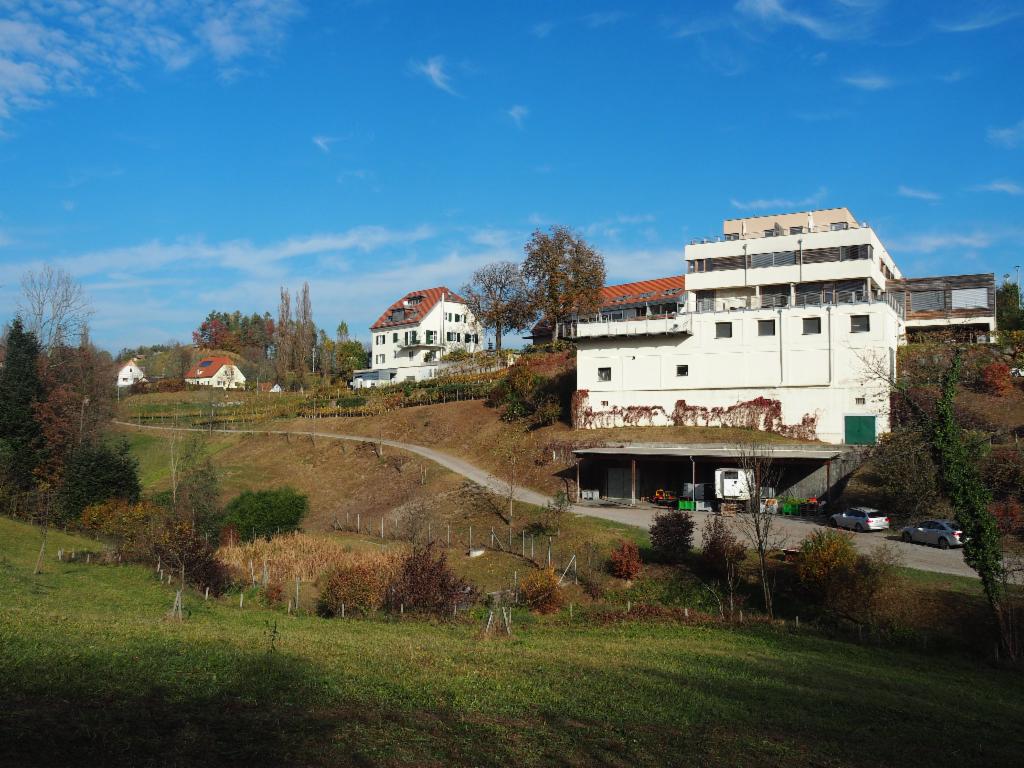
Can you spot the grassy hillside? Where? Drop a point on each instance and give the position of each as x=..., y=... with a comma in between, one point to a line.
x=94, y=673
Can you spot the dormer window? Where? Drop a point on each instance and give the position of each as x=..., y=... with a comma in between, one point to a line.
x=415, y=300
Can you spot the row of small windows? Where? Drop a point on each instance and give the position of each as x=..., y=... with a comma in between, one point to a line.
x=411, y=337
x=778, y=230
x=452, y=317
x=811, y=326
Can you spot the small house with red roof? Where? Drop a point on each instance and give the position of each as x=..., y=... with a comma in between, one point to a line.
x=412, y=336
x=216, y=371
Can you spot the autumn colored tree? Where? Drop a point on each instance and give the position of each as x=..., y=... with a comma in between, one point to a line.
x=565, y=275
x=499, y=298
x=20, y=391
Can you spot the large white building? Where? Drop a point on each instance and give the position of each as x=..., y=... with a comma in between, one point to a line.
x=409, y=340
x=789, y=322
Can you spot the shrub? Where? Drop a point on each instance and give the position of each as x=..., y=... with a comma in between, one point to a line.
x=540, y=591
x=555, y=512
x=424, y=582
x=1009, y=515
x=594, y=583
x=130, y=523
x=264, y=513
x=625, y=561
x=827, y=562
x=672, y=535
x=1003, y=471
x=909, y=479
x=94, y=474
x=359, y=585
x=180, y=547
x=996, y=379
x=721, y=551
x=548, y=411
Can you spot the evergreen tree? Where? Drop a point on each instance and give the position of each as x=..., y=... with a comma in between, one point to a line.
x=97, y=473
x=20, y=390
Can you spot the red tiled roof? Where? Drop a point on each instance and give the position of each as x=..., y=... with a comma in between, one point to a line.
x=628, y=293
x=414, y=313
x=212, y=365
x=643, y=290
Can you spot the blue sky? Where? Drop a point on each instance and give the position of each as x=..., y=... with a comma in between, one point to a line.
x=180, y=157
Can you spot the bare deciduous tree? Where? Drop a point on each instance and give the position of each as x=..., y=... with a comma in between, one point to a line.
x=759, y=522
x=499, y=298
x=53, y=306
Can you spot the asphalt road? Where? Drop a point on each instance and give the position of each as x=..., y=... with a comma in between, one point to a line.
x=791, y=529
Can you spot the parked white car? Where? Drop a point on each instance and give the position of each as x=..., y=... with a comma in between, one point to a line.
x=860, y=519
x=942, y=533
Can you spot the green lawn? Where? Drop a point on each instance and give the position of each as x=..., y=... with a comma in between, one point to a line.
x=91, y=672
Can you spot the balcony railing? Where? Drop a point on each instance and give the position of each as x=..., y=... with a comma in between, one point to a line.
x=663, y=325
x=780, y=232
x=823, y=299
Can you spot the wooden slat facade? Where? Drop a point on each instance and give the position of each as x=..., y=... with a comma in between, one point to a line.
x=946, y=284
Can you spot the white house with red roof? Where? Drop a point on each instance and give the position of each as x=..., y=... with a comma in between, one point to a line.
x=216, y=371
x=411, y=337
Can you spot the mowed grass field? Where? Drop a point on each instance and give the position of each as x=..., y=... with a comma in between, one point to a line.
x=93, y=673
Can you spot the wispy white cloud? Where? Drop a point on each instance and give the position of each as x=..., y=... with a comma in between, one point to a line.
x=434, y=70
x=613, y=227
x=1007, y=137
x=868, y=82
x=779, y=203
x=918, y=194
x=1000, y=185
x=5, y=239
x=48, y=48
x=518, y=113
x=939, y=241
x=323, y=143
x=603, y=18
x=542, y=29
x=990, y=17
x=774, y=12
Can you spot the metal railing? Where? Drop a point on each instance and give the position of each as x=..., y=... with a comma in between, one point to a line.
x=781, y=232
x=823, y=299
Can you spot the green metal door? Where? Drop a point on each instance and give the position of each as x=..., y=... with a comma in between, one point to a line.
x=860, y=430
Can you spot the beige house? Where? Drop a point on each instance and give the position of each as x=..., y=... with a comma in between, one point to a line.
x=218, y=372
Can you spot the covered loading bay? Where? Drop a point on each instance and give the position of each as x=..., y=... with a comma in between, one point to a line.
x=629, y=474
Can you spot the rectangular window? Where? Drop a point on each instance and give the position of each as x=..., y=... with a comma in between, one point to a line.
x=927, y=301
x=765, y=327
x=861, y=401
x=394, y=338
x=723, y=330
x=970, y=298
x=839, y=226
x=860, y=323
x=430, y=337
x=604, y=374
x=812, y=325
x=450, y=336
x=796, y=230
x=682, y=370
x=458, y=337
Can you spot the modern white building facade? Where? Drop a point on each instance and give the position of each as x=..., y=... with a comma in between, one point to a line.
x=411, y=338
x=787, y=324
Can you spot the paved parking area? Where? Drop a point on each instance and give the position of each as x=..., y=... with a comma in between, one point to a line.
x=794, y=529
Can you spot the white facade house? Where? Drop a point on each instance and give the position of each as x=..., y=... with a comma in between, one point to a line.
x=412, y=336
x=130, y=373
x=219, y=372
x=787, y=324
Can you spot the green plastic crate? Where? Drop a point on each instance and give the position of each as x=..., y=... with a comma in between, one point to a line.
x=687, y=506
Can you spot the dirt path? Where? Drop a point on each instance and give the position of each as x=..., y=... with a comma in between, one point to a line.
x=914, y=555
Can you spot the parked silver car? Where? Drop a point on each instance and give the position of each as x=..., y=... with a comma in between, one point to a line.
x=942, y=533
x=860, y=519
